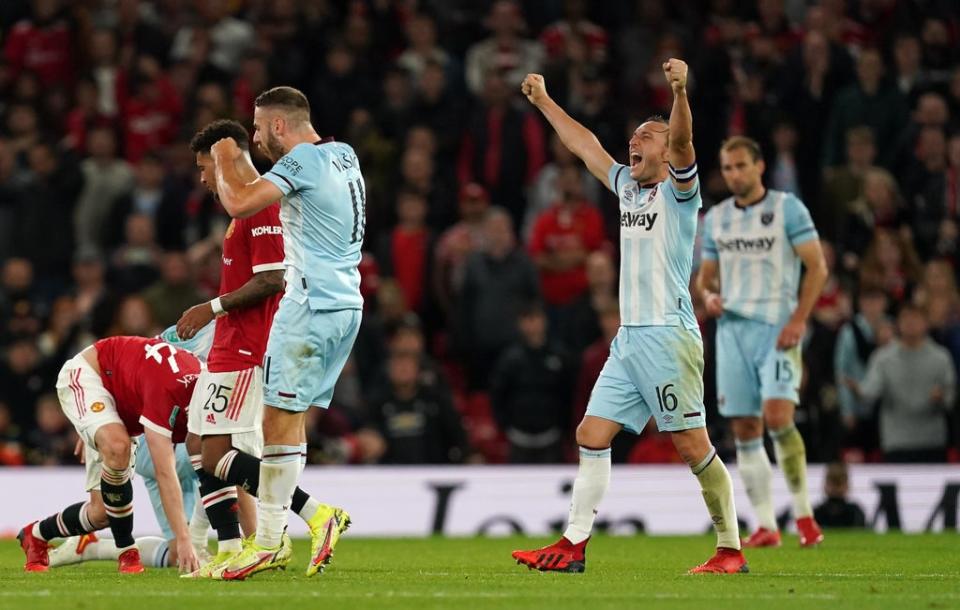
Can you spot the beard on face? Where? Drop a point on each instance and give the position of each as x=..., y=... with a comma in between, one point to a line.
x=272, y=148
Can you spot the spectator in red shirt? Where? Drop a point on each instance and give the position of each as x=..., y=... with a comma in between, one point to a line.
x=457, y=243
x=574, y=28
x=562, y=238
x=405, y=253
x=42, y=44
x=503, y=147
x=150, y=115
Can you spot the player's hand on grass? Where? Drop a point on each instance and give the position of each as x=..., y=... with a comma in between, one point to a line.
x=187, y=561
x=676, y=72
x=193, y=320
x=713, y=303
x=225, y=149
x=534, y=87
x=791, y=334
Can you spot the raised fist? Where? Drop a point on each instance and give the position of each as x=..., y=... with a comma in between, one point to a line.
x=534, y=87
x=676, y=72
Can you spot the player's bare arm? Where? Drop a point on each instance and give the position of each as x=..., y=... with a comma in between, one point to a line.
x=815, y=276
x=240, y=198
x=708, y=287
x=577, y=138
x=164, y=461
x=681, y=151
x=257, y=288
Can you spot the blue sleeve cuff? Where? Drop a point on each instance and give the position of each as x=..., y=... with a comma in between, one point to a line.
x=281, y=182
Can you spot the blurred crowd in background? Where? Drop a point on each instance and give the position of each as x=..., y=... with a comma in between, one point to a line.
x=490, y=259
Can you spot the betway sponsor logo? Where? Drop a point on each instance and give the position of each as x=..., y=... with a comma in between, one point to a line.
x=638, y=219
x=258, y=231
x=759, y=244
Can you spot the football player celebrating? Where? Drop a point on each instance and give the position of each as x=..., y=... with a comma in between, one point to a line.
x=655, y=366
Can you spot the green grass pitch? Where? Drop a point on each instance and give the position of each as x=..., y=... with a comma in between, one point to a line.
x=850, y=570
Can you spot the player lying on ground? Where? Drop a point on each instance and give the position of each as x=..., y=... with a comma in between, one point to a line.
x=753, y=244
x=656, y=360
x=112, y=391
x=226, y=413
x=322, y=213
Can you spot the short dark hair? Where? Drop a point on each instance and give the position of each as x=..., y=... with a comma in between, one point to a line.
x=749, y=144
x=287, y=98
x=656, y=118
x=204, y=139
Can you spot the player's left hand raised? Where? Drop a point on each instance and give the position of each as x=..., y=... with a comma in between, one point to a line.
x=225, y=149
x=791, y=334
x=676, y=72
x=193, y=320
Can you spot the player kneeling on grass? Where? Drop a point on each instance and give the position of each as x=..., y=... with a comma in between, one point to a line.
x=655, y=366
x=114, y=390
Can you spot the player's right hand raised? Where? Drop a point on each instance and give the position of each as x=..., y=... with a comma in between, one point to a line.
x=534, y=87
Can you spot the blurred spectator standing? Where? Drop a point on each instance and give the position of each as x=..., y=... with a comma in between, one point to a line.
x=856, y=342
x=418, y=423
x=53, y=440
x=836, y=511
x=503, y=147
x=531, y=390
x=174, y=292
x=505, y=51
x=561, y=240
x=915, y=383
x=497, y=283
x=843, y=184
x=106, y=178
x=872, y=102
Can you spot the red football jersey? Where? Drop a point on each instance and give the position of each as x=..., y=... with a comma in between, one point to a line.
x=151, y=382
x=251, y=245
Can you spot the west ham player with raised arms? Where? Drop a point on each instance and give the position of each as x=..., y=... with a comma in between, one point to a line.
x=322, y=212
x=227, y=410
x=655, y=366
x=116, y=389
x=753, y=246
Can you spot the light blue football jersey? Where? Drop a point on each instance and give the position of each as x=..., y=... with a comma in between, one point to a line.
x=199, y=345
x=658, y=227
x=759, y=268
x=323, y=218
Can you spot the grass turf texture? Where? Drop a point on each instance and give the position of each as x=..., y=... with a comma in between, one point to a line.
x=851, y=570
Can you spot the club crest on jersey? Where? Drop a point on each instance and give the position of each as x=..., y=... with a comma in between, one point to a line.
x=97, y=407
x=642, y=220
x=766, y=218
